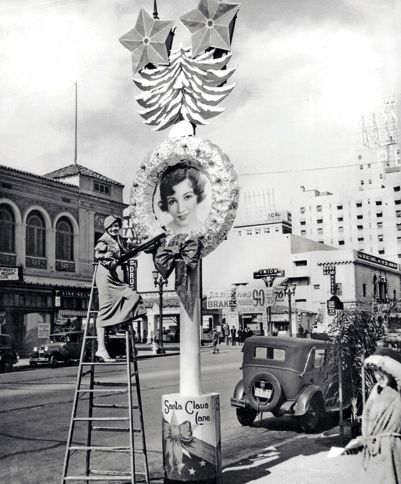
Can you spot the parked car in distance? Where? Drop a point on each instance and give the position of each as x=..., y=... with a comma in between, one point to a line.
x=287, y=377
x=63, y=347
x=8, y=356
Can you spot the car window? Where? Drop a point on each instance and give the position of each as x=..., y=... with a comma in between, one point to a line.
x=277, y=354
x=320, y=357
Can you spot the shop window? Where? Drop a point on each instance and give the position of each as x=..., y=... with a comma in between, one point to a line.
x=35, y=235
x=64, y=240
x=7, y=232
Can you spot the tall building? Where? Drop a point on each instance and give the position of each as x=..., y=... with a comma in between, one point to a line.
x=368, y=218
x=49, y=225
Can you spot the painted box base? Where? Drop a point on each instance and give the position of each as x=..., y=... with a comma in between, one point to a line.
x=191, y=439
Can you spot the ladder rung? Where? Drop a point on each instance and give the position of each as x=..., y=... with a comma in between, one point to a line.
x=110, y=473
x=101, y=419
x=111, y=429
x=99, y=390
x=112, y=405
x=91, y=337
x=98, y=478
x=110, y=384
x=104, y=363
x=99, y=448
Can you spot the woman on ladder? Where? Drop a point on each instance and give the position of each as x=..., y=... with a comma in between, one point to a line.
x=118, y=303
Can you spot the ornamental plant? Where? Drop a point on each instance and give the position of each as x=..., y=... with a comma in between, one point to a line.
x=354, y=335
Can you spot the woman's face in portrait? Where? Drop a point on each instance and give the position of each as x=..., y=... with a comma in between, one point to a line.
x=182, y=199
x=114, y=229
x=181, y=205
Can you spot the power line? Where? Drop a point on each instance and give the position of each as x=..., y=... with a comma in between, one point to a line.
x=320, y=168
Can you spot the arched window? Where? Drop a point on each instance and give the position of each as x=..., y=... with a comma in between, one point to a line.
x=7, y=232
x=64, y=240
x=35, y=235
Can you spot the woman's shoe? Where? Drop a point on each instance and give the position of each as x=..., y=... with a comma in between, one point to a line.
x=104, y=357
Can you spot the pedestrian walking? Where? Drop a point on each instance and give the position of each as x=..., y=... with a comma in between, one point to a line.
x=118, y=303
x=227, y=333
x=215, y=341
x=233, y=336
x=381, y=420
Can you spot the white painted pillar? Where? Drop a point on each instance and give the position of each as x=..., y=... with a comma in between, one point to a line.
x=190, y=370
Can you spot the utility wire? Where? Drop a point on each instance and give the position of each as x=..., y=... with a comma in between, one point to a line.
x=319, y=168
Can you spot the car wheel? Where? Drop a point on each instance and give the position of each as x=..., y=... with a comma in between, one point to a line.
x=54, y=361
x=264, y=392
x=313, y=418
x=246, y=415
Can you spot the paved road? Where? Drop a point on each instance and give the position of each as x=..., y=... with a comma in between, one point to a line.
x=36, y=407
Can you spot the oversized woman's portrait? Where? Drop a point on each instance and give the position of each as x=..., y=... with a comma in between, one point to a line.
x=182, y=198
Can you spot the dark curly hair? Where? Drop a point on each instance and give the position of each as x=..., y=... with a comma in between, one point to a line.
x=176, y=174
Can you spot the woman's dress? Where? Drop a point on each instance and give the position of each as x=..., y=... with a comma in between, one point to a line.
x=118, y=303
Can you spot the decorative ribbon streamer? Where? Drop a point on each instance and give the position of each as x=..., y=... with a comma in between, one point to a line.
x=183, y=255
x=178, y=440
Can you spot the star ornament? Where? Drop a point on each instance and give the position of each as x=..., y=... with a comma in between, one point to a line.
x=148, y=41
x=211, y=25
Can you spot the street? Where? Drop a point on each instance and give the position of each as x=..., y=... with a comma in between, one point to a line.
x=36, y=406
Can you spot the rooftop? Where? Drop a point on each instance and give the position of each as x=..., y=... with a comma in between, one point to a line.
x=76, y=169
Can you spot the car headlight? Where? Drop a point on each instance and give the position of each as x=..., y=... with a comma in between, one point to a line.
x=35, y=348
x=46, y=348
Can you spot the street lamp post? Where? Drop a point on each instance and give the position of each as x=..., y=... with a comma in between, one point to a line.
x=290, y=291
x=159, y=282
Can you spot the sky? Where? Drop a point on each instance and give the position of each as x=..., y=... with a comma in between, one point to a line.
x=307, y=71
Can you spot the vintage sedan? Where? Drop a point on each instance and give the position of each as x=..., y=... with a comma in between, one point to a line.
x=287, y=377
x=63, y=347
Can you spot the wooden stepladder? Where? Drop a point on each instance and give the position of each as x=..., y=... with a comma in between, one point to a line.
x=106, y=397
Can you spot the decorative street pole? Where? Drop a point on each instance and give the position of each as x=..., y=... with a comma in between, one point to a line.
x=187, y=187
x=160, y=282
x=290, y=291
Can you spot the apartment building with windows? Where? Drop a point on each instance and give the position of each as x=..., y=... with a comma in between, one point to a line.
x=366, y=220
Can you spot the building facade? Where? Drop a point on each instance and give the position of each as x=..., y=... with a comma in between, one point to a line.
x=367, y=218
x=49, y=228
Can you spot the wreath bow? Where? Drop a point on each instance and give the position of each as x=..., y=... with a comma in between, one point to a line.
x=183, y=255
x=176, y=437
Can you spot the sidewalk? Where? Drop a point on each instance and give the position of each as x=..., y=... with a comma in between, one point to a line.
x=300, y=460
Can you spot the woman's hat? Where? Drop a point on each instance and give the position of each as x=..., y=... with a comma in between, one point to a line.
x=387, y=360
x=109, y=221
